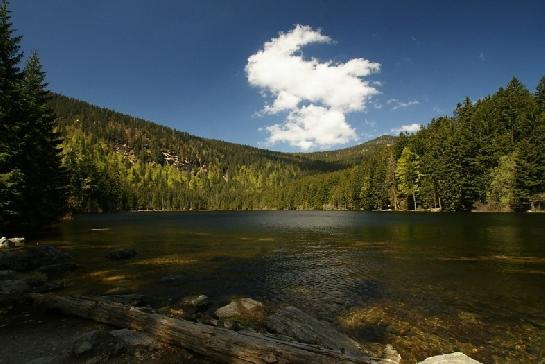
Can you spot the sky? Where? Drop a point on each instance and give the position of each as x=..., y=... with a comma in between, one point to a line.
x=284, y=75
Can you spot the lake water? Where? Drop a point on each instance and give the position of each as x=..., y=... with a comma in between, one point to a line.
x=426, y=283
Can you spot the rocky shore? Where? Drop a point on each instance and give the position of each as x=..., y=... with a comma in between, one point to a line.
x=27, y=272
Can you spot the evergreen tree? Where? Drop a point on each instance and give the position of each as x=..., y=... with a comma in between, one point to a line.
x=45, y=181
x=11, y=114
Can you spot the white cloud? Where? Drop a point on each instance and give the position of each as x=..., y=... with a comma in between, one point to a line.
x=397, y=104
x=409, y=128
x=316, y=95
x=311, y=126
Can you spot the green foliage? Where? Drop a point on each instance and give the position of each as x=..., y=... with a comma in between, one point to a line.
x=118, y=162
x=501, y=193
x=408, y=174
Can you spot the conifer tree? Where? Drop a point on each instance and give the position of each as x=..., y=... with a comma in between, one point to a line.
x=11, y=113
x=45, y=180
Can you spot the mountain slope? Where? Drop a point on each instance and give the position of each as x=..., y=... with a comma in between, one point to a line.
x=121, y=162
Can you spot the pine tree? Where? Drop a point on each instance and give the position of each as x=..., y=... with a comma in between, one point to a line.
x=45, y=180
x=11, y=114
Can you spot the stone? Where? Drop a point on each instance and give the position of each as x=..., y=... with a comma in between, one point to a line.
x=453, y=358
x=391, y=355
x=245, y=309
x=122, y=254
x=134, y=338
x=12, y=242
x=291, y=321
x=32, y=258
x=195, y=301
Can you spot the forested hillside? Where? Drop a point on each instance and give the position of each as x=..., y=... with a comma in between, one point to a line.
x=489, y=154
x=119, y=162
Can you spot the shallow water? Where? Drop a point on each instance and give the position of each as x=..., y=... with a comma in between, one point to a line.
x=426, y=283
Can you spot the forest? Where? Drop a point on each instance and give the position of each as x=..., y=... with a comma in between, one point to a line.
x=488, y=155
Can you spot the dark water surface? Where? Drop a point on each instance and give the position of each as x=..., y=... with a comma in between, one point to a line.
x=426, y=283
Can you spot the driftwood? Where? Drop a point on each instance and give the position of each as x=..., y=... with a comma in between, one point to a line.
x=213, y=342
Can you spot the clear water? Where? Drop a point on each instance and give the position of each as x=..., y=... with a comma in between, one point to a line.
x=426, y=283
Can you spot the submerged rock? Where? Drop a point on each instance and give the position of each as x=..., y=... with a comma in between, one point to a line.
x=243, y=309
x=453, y=358
x=122, y=254
x=291, y=321
x=14, y=287
x=32, y=258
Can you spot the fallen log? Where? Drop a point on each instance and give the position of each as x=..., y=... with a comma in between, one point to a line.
x=213, y=342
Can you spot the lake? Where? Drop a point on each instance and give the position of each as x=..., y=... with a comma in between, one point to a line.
x=426, y=283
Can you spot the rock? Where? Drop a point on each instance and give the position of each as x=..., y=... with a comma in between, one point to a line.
x=12, y=242
x=453, y=358
x=32, y=258
x=60, y=267
x=122, y=254
x=131, y=299
x=133, y=338
x=292, y=322
x=97, y=347
x=7, y=274
x=195, y=301
x=391, y=355
x=242, y=309
x=14, y=287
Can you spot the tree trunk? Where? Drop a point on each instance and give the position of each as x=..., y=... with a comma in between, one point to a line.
x=223, y=345
x=414, y=200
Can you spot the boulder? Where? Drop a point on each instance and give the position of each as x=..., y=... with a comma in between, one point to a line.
x=453, y=358
x=291, y=321
x=32, y=258
x=198, y=301
x=122, y=254
x=136, y=339
x=12, y=242
x=242, y=309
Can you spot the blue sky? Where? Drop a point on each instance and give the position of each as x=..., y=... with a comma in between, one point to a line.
x=183, y=63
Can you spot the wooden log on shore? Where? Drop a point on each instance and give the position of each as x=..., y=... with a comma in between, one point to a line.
x=213, y=342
